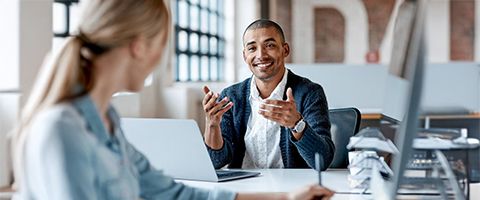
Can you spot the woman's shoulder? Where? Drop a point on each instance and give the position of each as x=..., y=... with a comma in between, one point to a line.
x=58, y=116
x=60, y=124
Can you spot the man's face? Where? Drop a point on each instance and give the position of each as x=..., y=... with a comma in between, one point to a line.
x=264, y=52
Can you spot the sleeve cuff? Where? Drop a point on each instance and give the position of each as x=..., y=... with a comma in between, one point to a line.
x=216, y=150
x=307, y=140
x=306, y=134
x=217, y=156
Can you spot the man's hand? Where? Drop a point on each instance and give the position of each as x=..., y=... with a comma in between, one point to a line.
x=214, y=110
x=213, y=116
x=283, y=112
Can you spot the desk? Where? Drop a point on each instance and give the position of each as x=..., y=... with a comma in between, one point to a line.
x=470, y=121
x=473, y=115
x=281, y=180
x=286, y=180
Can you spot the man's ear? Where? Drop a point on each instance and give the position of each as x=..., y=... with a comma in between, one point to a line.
x=244, y=56
x=138, y=47
x=286, y=49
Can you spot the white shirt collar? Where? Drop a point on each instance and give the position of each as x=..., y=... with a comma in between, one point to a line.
x=277, y=93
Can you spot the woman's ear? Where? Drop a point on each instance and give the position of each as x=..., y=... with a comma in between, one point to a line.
x=138, y=47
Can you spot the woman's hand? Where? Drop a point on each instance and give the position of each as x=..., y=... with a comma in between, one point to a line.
x=311, y=192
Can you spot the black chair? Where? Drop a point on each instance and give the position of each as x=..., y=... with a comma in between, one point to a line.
x=345, y=123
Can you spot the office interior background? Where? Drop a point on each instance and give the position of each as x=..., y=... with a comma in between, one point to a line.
x=345, y=45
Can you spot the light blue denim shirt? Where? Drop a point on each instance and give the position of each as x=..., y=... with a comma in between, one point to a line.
x=70, y=155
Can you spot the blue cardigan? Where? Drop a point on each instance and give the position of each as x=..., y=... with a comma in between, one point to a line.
x=311, y=103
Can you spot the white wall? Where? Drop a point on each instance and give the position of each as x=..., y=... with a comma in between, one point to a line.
x=230, y=38
x=438, y=31
x=452, y=86
x=247, y=13
x=356, y=29
x=360, y=86
x=9, y=35
x=447, y=87
x=25, y=40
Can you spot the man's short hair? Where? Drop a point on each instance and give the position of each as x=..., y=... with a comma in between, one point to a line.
x=265, y=23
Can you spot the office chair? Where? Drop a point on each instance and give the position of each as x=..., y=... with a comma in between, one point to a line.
x=345, y=123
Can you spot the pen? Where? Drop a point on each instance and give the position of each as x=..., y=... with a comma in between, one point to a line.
x=318, y=167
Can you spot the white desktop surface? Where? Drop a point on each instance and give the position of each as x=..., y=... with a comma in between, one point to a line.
x=287, y=180
x=281, y=180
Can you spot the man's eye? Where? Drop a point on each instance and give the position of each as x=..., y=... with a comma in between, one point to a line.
x=251, y=49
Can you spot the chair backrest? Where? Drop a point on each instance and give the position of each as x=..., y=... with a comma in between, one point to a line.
x=345, y=123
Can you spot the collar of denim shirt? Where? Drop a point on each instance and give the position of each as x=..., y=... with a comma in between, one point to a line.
x=87, y=108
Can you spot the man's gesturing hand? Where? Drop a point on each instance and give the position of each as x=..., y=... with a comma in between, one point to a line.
x=214, y=110
x=213, y=116
x=283, y=112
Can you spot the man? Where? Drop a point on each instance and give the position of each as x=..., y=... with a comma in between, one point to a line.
x=275, y=119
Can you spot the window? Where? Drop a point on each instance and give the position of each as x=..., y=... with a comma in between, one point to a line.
x=62, y=17
x=199, y=40
x=66, y=14
x=65, y=17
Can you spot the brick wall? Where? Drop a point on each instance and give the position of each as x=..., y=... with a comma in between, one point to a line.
x=379, y=12
x=329, y=26
x=329, y=35
x=462, y=30
x=282, y=14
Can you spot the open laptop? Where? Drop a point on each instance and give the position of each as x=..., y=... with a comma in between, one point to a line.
x=176, y=146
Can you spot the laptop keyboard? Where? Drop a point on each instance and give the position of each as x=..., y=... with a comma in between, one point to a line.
x=227, y=174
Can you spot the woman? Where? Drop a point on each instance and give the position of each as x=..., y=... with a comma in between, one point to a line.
x=69, y=144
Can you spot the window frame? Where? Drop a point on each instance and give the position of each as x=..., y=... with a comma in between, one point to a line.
x=218, y=49
x=67, y=4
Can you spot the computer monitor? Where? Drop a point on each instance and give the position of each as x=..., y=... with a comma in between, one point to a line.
x=397, y=81
x=405, y=87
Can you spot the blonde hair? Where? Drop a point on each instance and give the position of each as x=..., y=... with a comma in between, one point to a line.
x=104, y=25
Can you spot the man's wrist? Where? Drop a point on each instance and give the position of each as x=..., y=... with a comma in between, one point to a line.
x=214, y=125
x=299, y=117
x=210, y=124
x=299, y=126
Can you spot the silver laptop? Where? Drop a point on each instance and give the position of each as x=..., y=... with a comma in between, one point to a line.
x=176, y=146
